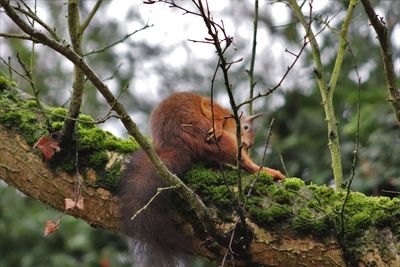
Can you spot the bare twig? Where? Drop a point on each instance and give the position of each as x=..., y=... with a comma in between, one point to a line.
x=253, y=56
x=284, y=165
x=17, y=36
x=31, y=14
x=249, y=192
x=29, y=77
x=269, y=133
x=356, y=145
x=159, y=191
x=213, y=30
x=288, y=69
x=10, y=73
x=382, y=32
x=11, y=69
x=89, y=18
x=117, y=42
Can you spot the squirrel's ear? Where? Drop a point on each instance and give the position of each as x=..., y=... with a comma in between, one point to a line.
x=252, y=117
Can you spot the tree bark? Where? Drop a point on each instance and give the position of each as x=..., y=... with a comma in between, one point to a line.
x=23, y=168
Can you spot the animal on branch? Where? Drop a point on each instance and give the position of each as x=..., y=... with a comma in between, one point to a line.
x=186, y=128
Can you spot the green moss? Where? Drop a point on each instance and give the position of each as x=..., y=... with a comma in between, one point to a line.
x=98, y=160
x=279, y=194
x=57, y=125
x=307, y=221
x=91, y=139
x=86, y=121
x=120, y=145
x=57, y=114
x=31, y=103
x=25, y=121
x=111, y=177
x=93, y=143
x=220, y=196
x=293, y=183
x=6, y=84
x=271, y=215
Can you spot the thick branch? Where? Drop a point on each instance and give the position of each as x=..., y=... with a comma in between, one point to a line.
x=25, y=170
x=20, y=167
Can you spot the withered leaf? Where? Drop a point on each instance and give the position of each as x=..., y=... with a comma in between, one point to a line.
x=48, y=146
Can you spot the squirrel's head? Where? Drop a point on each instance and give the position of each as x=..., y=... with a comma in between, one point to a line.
x=247, y=129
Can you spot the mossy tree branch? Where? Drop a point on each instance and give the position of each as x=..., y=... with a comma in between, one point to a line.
x=382, y=33
x=327, y=91
x=22, y=168
x=289, y=208
x=185, y=193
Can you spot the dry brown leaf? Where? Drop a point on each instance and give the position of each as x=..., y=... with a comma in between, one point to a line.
x=79, y=203
x=51, y=227
x=69, y=203
x=48, y=146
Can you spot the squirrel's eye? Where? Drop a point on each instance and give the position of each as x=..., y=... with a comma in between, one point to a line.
x=246, y=126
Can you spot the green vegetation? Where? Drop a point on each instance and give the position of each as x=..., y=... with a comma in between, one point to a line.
x=304, y=209
x=94, y=145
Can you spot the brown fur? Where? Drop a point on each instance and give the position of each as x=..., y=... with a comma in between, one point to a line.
x=183, y=134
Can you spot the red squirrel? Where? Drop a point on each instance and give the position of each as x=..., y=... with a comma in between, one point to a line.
x=183, y=134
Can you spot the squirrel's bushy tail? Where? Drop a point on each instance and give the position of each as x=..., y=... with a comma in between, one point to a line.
x=154, y=239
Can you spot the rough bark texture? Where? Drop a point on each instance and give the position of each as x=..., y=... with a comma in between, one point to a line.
x=24, y=169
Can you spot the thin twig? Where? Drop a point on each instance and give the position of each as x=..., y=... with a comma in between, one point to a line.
x=288, y=69
x=28, y=74
x=12, y=69
x=269, y=134
x=159, y=190
x=381, y=30
x=332, y=125
x=29, y=13
x=116, y=42
x=89, y=18
x=283, y=165
x=253, y=56
x=213, y=31
x=17, y=36
x=357, y=143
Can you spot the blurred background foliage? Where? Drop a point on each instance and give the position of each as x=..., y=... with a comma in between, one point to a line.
x=154, y=69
